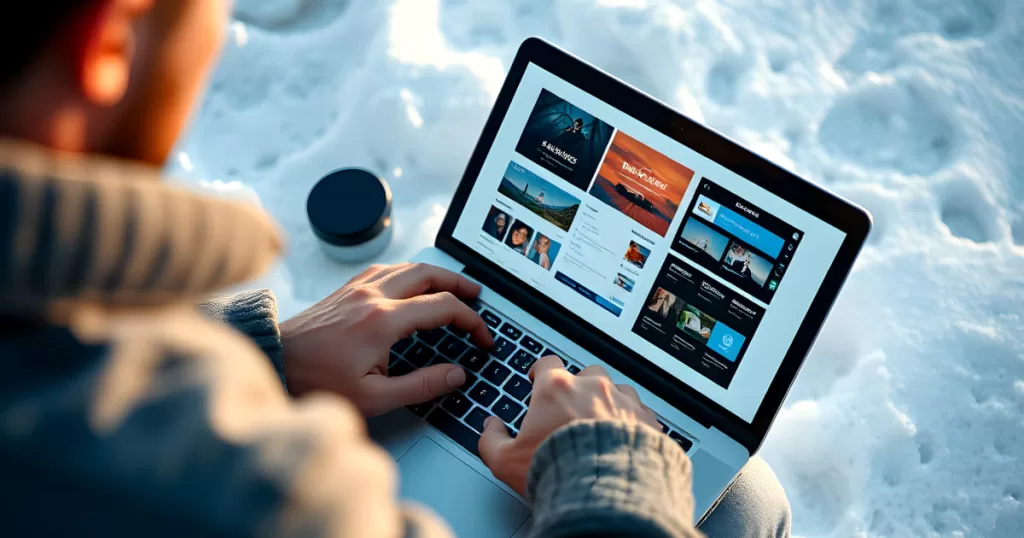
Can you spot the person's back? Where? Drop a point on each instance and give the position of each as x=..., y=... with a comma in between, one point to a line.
x=128, y=409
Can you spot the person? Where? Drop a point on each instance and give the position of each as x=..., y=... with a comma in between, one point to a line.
x=519, y=237
x=495, y=226
x=539, y=252
x=125, y=410
x=661, y=303
x=635, y=256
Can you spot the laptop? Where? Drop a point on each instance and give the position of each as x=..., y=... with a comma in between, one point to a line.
x=608, y=229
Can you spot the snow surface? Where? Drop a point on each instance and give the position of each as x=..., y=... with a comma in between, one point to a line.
x=907, y=418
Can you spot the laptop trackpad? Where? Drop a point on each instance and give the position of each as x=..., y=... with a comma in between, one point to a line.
x=468, y=502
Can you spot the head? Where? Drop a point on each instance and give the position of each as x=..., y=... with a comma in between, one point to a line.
x=577, y=123
x=500, y=221
x=543, y=244
x=520, y=234
x=115, y=77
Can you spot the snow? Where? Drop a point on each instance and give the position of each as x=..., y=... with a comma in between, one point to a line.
x=907, y=418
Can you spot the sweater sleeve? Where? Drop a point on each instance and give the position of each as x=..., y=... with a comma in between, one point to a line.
x=596, y=478
x=254, y=314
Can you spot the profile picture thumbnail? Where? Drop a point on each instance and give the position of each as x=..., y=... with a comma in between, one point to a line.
x=696, y=323
x=663, y=305
x=624, y=282
x=543, y=251
x=496, y=223
x=519, y=237
x=745, y=263
x=637, y=254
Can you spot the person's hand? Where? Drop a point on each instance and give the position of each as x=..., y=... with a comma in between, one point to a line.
x=559, y=398
x=342, y=344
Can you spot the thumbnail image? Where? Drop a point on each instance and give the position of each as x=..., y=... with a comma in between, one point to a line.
x=663, y=306
x=496, y=223
x=624, y=282
x=534, y=193
x=744, y=262
x=641, y=183
x=704, y=239
x=636, y=254
x=564, y=139
x=706, y=208
x=696, y=323
x=544, y=251
x=519, y=237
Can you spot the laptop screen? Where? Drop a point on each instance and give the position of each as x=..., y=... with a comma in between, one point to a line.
x=703, y=273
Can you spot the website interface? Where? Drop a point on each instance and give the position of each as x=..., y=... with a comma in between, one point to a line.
x=703, y=273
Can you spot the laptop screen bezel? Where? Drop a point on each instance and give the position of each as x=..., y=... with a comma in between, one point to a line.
x=852, y=220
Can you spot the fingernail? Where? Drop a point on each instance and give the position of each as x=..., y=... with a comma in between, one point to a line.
x=455, y=378
x=488, y=421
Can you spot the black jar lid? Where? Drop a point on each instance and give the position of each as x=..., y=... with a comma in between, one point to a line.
x=349, y=207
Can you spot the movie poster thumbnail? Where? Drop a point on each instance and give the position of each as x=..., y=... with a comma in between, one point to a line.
x=539, y=196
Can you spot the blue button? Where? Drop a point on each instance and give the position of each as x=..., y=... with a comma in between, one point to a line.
x=748, y=232
x=725, y=341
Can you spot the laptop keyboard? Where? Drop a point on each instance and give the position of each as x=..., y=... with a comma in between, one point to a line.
x=497, y=382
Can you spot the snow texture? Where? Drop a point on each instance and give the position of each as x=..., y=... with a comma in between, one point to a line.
x=907, y=418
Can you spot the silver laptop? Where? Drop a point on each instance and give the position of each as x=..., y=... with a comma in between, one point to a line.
x=608, y=229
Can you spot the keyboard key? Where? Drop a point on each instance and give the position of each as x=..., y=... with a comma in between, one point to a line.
x=503, y=348
x=474, y=304
x=452, y=347
x=421, y=409
x=402, y=345
x=393, y=359
x=664, y=428
x=507, y=409
x=496, y=373
x=439, y=359
x=683, y=442
x=476, y=419
x=490, y=318
x=459, y=432
x=518, y=387
x=522, y=362
x=531, y=344
x=433, y=336
x=400, y=368
x=511, y=331
x=493, y=334
x=519, y=422
x=470, y=381
x=473, y=359
x=420, y=355
x=457, y=404
x=483, y=394
x=573, y=369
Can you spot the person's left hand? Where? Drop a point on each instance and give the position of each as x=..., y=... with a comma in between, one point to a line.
x=342, y=344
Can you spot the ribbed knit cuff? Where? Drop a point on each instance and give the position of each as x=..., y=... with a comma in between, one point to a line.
x=253, y=313
x=608, y=478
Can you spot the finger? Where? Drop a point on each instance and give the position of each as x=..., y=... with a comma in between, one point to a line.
x=547, y=363
x=420, y=278
x=493, y=441
x=631, y=392
x=373, y=273
x=438, y=310
x=593, y=371
x=413, y=388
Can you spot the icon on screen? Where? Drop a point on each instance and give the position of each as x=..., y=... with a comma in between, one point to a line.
x=796, y=236
x=773, y=285
x=705, y=208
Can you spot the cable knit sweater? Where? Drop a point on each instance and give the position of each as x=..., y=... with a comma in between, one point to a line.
x=124, y=410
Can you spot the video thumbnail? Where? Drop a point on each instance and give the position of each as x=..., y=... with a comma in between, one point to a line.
x=637, y=254
x=519, y=237
x=564, y=139
x=496, y=223
x=625, y=282
x=641, y=183
x=544, y=251
x=663, y=306
x=745, y=263
x=696, y=323
x=704, y=239
x=540, y=196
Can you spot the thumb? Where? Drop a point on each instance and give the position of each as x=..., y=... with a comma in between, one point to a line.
x=416, y=387
x=494, y=439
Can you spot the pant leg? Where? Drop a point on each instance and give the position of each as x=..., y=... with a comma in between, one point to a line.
x=755, y=505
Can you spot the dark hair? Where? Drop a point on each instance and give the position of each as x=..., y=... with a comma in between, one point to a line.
x=26, y=31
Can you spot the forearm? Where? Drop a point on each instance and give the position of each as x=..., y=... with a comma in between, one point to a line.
x=254, y=314
x=609, y=479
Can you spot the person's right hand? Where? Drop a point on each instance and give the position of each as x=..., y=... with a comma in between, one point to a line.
x=559, y=398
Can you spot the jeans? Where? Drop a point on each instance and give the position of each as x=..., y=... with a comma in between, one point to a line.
x=755, y=505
